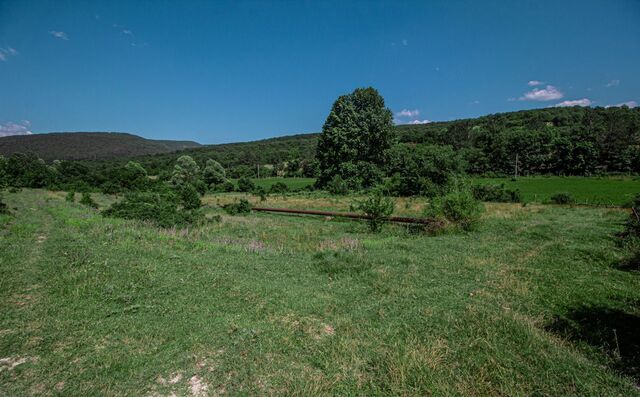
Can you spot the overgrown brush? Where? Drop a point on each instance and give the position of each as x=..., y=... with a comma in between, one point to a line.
x=459, y=207
x=3, y=207
x=496, y=193
x=562, y=198
x=279, y=187
x=378, y=208
x=160, y=209
x=87, y=200
x=71, y=196
x=238, y=208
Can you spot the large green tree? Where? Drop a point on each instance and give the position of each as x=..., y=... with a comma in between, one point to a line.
x=355, y=138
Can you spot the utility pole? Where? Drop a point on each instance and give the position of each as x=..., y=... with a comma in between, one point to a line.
x=258, y=168
x=516, y=172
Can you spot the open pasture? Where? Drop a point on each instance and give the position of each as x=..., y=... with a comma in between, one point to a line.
x=271, y=304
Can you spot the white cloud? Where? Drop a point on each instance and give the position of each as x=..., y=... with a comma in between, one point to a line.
x=613, y=83
x=127, y=31
x=533, y=83
x=577, y=102
x=11, y=128
x=425, y=121
x=630, y=104
x=549, y=93
x=408, y=113
x=405, y=42
x=6, y=53
x=59, y=35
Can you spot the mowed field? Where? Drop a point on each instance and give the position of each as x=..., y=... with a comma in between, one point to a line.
x=600, y=191
x=537, y=301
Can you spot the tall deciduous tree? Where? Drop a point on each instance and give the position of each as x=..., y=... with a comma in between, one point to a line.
x=185, y=172
x=356, y=136
x=214, y=173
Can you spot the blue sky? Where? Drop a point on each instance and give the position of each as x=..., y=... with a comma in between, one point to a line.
x=233, y=71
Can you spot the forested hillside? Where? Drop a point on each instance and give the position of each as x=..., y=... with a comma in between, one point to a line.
x=88, y=145
x=566, y=141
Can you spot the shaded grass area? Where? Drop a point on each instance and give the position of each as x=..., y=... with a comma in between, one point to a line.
x=264, y=304
x=613, y=191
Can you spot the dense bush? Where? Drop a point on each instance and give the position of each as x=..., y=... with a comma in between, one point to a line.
x=496, y=193
x=279, y=187
x=3, y=207
x=562, y=198
x=245, y=185
x=422, y=170
x=189, y=197
x=158, y=208
x=459, y=207
x=71, y=196
x=239, y=207
x=337, y=185
x=87, y=200
x=378, y=208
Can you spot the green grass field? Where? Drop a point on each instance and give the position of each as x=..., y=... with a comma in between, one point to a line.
x=614, y=191
x=269, y=304
x=602, y=191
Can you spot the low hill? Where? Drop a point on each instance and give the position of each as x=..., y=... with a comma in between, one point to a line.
x=88, y=145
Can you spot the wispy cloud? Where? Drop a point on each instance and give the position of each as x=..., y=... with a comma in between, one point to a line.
x=405, y=42
x=613, y=83
x=409, y=116
x=6, y=53
x=630, y=104
x=408, y=113
x=533, y=83
x=127, y=31
x=11, y=128
x=549, y=93
x=576, y=102
x=59, y=35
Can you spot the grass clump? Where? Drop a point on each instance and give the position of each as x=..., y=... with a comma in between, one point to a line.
x=160, y=209
x=496, y=193
x=238, y=208
x=562, y=198
x=459, y=207
x=87, y=200
x=378, y=208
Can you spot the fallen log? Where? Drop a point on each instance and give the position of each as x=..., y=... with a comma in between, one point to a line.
x=352, y=215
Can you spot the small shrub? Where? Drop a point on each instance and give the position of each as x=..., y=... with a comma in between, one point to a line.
x=260, y=192
x=14, y=189
x=71, y=196
x=87, y=200
x=496, y=193
x=459, y=207
x=245, y=185
x=337, y=185
x=3, y=207
x=237, y=208
x=279, y=187
x=562, y=198
x=228, y=186
x=377, y=207
x=160, y=209
x=189, y=197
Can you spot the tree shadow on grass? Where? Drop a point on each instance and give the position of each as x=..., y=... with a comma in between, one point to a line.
x=614, y=332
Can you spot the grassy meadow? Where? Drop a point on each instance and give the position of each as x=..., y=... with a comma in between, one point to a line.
x=537, y=301
x=598, y=191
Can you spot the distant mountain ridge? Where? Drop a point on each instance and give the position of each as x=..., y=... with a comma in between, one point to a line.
x=89, y=145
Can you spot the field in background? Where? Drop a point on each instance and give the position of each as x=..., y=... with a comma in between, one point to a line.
x=586, y=190
x=271, y=304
